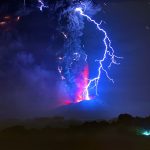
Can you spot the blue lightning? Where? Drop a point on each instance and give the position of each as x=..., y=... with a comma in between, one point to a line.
x=42, y=5
x=109, y=51
x=76, y=55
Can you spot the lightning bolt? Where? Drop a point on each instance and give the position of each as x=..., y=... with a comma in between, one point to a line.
x=41, y=5
x=109, y=51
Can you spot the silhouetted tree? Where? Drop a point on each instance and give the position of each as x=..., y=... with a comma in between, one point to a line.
x=125, y=119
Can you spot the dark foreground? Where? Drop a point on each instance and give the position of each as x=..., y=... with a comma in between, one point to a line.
x=120, y=135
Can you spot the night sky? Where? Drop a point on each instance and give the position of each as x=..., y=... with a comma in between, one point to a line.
x=30, y=85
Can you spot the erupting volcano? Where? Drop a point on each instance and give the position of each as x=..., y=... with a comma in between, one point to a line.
x=82, y=82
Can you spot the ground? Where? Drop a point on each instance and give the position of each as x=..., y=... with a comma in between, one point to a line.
x=74, y=139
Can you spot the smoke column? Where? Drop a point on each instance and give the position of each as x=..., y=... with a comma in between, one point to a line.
x=73, y=66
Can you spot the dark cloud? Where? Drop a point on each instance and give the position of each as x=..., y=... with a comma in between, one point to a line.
x=28, y=69
x=26, y=88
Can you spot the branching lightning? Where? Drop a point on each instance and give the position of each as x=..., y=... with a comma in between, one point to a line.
x=41, y=5
x=109, y=51
x=75, y=55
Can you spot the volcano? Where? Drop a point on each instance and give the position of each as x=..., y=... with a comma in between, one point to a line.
x=85, y=110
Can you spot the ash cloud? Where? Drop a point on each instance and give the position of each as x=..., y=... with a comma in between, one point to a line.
x=71, y=24
x=30, y=84
x=27, y=89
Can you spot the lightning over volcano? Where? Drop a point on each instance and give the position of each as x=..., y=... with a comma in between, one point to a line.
x=108, y=52
x=63, y=54
x=73, y=66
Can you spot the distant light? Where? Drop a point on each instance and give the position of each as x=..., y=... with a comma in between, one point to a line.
x=18, y=18
x=2, y=23
x=7, y=17
x=146, y=133
x=143, y=132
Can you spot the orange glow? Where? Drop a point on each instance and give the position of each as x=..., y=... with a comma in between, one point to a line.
x=7, y=17
x=2, y=23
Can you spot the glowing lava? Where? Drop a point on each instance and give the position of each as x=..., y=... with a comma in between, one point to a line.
x=82, y=82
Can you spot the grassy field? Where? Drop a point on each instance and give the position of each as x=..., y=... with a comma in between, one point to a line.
x=73, y=139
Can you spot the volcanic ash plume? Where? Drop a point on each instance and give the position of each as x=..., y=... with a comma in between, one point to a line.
x=73, y=65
